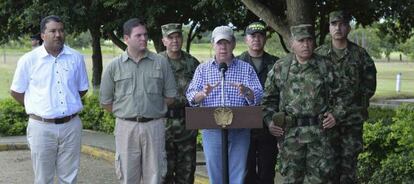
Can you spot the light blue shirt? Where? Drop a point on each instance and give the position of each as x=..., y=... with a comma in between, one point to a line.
x=237, y=72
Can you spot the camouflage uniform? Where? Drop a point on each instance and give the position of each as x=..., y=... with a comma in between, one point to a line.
x=360, y=70
x=303, y=93
x=261, y=160
x=180, y=143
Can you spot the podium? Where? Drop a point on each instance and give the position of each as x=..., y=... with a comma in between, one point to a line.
x=242, y=117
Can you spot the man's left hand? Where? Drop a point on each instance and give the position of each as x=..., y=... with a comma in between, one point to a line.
x=329, y=120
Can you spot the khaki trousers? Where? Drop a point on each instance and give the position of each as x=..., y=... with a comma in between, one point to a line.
x=140, y=156
x=55, y=149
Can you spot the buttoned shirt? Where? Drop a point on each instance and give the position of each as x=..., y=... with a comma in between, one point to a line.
x=138, y=89
x=306, y=91
x=51, y=84
x=359, y=68
x=238, y=72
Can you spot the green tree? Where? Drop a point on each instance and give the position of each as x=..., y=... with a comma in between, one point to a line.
x=281, y=14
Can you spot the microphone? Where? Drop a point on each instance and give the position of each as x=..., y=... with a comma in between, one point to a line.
x=223, y=68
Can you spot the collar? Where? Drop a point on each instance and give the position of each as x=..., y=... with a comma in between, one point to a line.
x=125, y=57
x=347, y=48
x=311, y=61
x=234, y=62
x=43, y=52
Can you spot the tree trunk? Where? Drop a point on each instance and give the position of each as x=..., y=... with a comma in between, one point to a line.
x=96, y=58
x=323, y=28
x=190, y=36
x=277, y=23
x=300, y=12
x=116, y=40
x=158, y=45
x=282, y=42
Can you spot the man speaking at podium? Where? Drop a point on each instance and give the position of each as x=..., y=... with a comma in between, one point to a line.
x=241, y=88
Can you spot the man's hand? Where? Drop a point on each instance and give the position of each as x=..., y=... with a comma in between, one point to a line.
x=329, y=120
x=244, y=91
x=275, y=130
x=205, y=92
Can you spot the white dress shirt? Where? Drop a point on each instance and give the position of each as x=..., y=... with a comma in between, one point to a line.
x=51, y=84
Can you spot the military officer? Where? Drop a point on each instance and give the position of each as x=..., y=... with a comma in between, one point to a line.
x=359, y=68
x=180, y=143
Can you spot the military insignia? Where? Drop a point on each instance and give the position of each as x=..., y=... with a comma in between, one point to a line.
x=223, y=116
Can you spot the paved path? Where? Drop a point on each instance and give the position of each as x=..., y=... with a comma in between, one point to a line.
x=95, y=144
x=19, y=169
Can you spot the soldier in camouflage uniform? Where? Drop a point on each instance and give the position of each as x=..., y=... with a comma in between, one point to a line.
x=262, y=156
x=298, y=93
x=180, y=143
x=360, y=69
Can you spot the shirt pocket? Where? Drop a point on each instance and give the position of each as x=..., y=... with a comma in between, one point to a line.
x=123, y=84
x=154, y=82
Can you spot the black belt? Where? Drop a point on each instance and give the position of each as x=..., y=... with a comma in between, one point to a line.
x=54, y=120
x=292, y=121
x=139, y=119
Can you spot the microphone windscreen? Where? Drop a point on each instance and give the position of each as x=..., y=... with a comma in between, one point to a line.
x=223, y=67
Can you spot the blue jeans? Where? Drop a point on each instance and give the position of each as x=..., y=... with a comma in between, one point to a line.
x=238, y=142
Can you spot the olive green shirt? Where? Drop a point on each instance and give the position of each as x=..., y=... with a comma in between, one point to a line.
x=138, y=89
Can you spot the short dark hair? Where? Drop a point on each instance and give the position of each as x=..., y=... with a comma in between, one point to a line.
x=37, y=37
x=130, y=24
x=48, y=19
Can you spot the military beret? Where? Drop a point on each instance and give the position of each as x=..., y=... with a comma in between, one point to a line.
x=302, y=31
x=339, y=16
x=170, y=28
x=255, y=27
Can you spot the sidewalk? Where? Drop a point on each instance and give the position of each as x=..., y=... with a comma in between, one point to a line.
x=100, y=145
x=392, y=103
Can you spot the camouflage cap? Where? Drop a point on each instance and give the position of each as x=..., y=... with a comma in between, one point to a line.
x=170, y=28
x=302, y=31
x=222, y=32
x=339, y=16
x=256, y=27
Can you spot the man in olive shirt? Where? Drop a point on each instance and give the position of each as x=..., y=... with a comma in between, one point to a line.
x=359, y=68
x=180, y=143
x=261, y=160
x=137, y=86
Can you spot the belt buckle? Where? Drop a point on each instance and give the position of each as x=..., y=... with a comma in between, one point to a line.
x=140, y=119
x=59, y=121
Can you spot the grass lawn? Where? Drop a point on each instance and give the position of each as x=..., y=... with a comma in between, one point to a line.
x=386, y=75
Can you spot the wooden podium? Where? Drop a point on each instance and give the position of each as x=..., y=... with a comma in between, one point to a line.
x=243, y=117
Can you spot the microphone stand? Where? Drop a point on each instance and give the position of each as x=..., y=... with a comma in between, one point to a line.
x=224, y=132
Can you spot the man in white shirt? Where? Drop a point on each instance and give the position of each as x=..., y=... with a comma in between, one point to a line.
x=50, y=81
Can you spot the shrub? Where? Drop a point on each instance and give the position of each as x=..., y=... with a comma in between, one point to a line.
x=13, y=118
x=388, y=155
x=94, y=117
